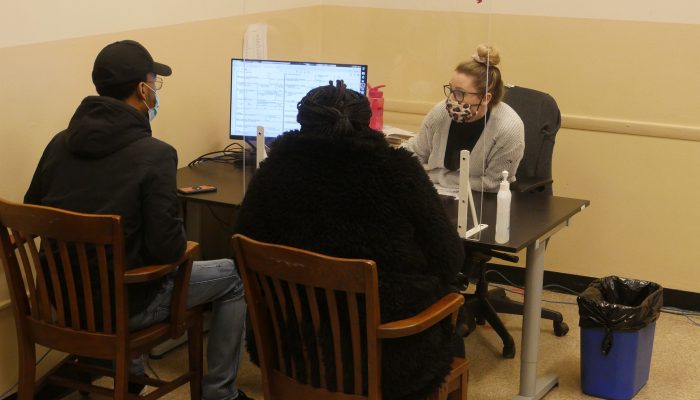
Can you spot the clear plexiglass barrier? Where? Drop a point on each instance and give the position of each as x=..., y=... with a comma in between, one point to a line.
x=433, y=76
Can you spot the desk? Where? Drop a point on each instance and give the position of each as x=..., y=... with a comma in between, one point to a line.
x=227, y=179
x=534, y=218
x=209, y=217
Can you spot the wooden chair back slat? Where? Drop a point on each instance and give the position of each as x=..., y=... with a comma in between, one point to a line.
x=272, y=309
x=87, y=286
x=374, y=348
x=55, y=282
x=44, y=302
x=104, y=289
x=28, y=274
x=281, y=300
x=296, y=302
x=335, y=331
x=20, y=304
x=316, y=322
x=324, y=295
x=356, y=342
x=70, y=284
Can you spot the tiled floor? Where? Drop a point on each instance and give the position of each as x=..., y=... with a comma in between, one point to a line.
x=674, y=369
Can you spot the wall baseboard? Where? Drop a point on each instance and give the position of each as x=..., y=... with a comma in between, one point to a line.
x=672, y=297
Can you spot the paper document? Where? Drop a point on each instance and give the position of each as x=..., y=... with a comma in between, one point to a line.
x=447, y=191
x=396, y=136
x=394, y=131
x=255, y=42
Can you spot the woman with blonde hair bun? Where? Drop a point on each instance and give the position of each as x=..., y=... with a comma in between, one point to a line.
x=472, y=117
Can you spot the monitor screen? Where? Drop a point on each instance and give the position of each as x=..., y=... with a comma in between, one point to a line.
x=265, y=92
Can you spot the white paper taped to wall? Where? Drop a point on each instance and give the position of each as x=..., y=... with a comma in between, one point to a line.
x=255, y=42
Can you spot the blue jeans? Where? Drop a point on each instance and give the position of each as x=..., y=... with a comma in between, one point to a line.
x=217, y=282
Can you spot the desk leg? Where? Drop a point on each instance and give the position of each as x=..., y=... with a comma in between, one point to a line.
x=531, y=387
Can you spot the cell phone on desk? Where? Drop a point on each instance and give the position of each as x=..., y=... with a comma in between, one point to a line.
x=197, y=189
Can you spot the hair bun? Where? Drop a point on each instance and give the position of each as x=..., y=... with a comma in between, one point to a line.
x=487, y=55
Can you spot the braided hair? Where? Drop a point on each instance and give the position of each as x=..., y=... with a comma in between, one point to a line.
x=334, y=110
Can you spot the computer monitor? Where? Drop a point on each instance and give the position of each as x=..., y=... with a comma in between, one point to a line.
x=265, y=92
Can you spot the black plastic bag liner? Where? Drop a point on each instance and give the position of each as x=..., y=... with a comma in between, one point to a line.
x=619, y=304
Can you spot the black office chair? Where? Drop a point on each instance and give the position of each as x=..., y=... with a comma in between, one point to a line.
x=542, y=119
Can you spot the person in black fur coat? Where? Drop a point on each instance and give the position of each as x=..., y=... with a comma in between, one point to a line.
x=336, y=187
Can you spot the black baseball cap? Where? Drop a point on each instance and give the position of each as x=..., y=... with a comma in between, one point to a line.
x=125, y=61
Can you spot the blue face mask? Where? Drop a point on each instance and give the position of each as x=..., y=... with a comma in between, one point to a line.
x=152, y=112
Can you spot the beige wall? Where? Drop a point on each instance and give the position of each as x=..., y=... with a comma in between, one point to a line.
x=609, y=76
x=676, y=11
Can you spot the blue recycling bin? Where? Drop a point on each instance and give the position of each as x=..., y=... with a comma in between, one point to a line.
x=624, y=371
x=617, y=317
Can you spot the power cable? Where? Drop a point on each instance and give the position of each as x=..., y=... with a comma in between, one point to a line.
x=689, y=315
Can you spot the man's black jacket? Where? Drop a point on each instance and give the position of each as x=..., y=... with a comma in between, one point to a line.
x=107, y=162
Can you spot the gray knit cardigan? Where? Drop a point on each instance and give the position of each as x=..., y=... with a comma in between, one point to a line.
x=500, y=148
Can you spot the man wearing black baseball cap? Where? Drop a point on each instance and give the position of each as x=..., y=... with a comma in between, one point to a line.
x=122, y=66
x=107, y=162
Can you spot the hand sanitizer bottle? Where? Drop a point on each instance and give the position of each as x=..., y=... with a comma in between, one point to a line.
x=503, y=210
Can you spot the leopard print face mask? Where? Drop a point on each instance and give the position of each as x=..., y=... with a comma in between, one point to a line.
x=459, y=112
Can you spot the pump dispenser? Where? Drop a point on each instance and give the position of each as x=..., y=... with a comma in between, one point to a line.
x=503, y=210
x=376, y=104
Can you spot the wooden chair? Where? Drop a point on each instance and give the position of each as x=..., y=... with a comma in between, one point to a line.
x=285, y=285
x=94, y=327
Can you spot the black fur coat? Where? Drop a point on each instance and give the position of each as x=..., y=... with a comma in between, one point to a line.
x=354, y=196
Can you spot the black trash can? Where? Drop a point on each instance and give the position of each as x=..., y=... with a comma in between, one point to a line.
x=617, y=317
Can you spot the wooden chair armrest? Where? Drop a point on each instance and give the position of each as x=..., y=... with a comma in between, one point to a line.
x=153, y=272
x=178, y=302
x=438, y=311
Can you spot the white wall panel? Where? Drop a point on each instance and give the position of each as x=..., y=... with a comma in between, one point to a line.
x=674, y=11
x=36, y=21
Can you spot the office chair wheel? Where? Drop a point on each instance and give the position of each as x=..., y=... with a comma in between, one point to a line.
x=509, y=350
x=560, y=328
